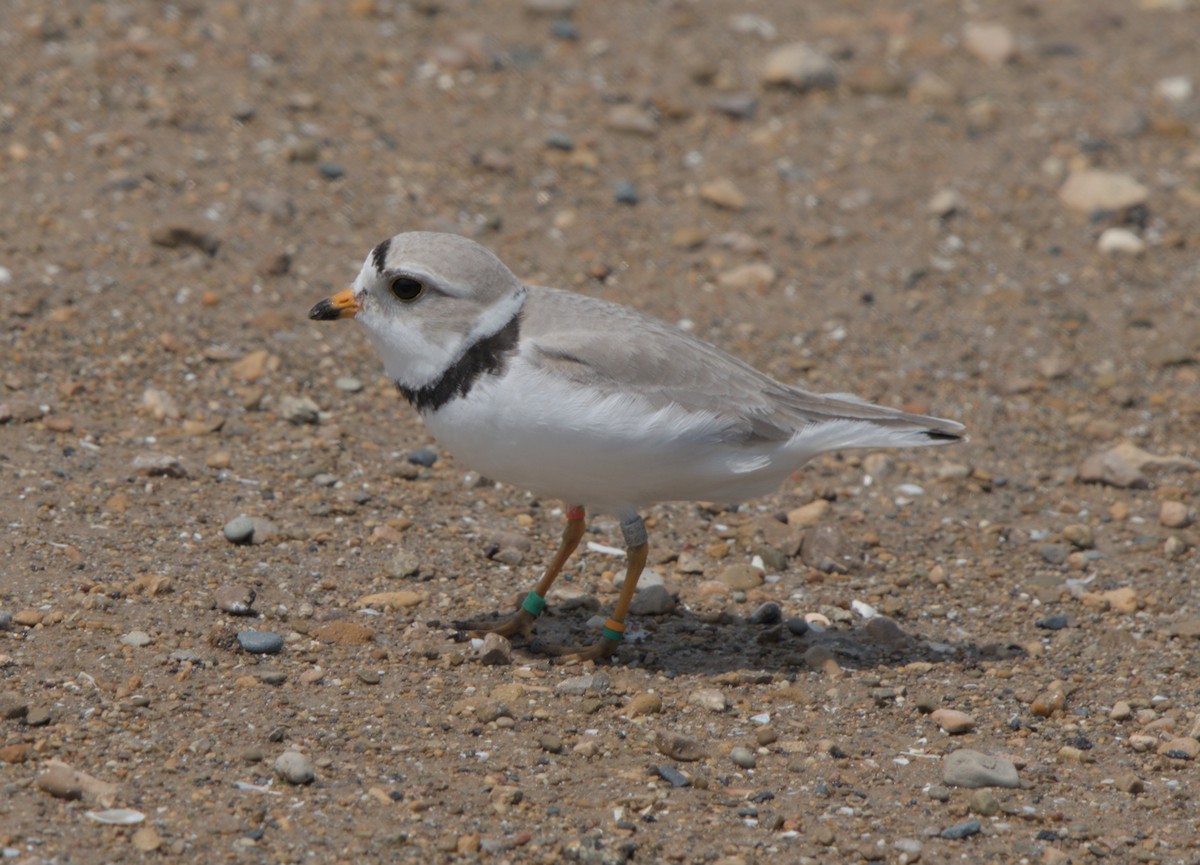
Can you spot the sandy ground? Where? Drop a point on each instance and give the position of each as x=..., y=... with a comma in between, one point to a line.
x=914, y=218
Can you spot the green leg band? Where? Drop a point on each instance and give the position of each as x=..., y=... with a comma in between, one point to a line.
x=533, y=604
x=615, y=636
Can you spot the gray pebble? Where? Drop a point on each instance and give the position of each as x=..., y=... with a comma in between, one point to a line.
x=272, y=677
x=331, y=170
x=239, y=530
x=797, y=626
x=740, y=106
x=768, y=613
x=560, y=141
x=186, y=656
x=576, y=686
x=137, y=639
x=1053, y=623
x=299, y=410
x=962, y=830
x=260, y=642
x=673, y=776
x=565, y=30
x=234, y=599
x=369, y=677
x=550, y=743
x=295, y=768
x=938, y=793
x=743, y=757
x=5, y=621
x=1054, y=554
x=653, y=601
x=625, y=193
x=349, y=384
x=39, y=716
x=423, y=457
x=968, y=768
x=325, y=479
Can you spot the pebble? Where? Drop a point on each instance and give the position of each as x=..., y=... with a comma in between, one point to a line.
x=678, y=746
x=910, y=850
x=260, y=642
x=235, y=599
x=6, y=621
x=424, y=457
x=884, y=631
x=1120, y=241
x=1121, y=711
x=644, y=704
x=348, y=384
x=938, y=793
x=709, y=698
x=1079, y=536
x=741, y=576
x=723, y=193
x=1053, y=623
x=968, y=768
x=398, y=600
x=63, y=782
x=740, y=106
x=495, y=651
x=799, y=66
x=625, y=192
x=564, y=30
x=1054, y=554
x=945, y=203
x=743, y=757
x=551, y=8
x=13, y=706
x=673, y=776
x=239, y=530
x=299, y=410
x=808, y=515
x=962, y=830
x=822, y=549
x=159, y=466
x=146, y=839
x=1175, y=89
x=1180, y=748
x=994, y=44
x=550, y=743
x=1092, y=190
x=953, y=721
x=629, y=118
x=797, y=626
x=652, y=601
x=576, y=686
x=1129, y=783
x=767, y=613
x=1174, y=515
x=295, y=768
x=984, y=803
x=1050, y=701
x=137, y=639
x=755, y=277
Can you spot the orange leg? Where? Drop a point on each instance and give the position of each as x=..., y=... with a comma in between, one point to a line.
x=521, y=622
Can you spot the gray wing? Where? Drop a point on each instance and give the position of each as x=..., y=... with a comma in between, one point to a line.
x=614, y=348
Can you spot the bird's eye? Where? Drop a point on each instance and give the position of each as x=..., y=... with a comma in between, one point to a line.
x=406, y=288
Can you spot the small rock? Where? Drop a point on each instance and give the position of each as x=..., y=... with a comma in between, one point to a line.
x=1053, y=623
x=678, y=746
x=823, y=549
x=348, y=384
x=994, y=44
x=398, y=600
x=968, y=768
x=404, y=564
x=984, y=803
x=1127, y=782
x=496, y=651
x=953, y=721
x=137, y=639
x=175, y=236
x=741, y=576
x=596, y=683
x=627, y=117
x=767, y=613
x=295, y=768
x=723, y=193
x=39, y=716
x=938, y=793
x=63, y=782
x=1174, y=515
x=1121, y=711
x=239, y=530
x=344, y=632
x=1120, y=241
x=884, y=631
x=962, y=830
x=28, y=618
x=1091, y=190
x=1180, y=748
x=299, y=410
x=146, y=839
x=550, y=743
x=673, y=776
x=1050, y=701
x=260, y=642
x=800, y=67
x=625, y=192
x=809, y=514
x=755, y=277
x=644, y=704
x=1079, y=536
x=740, y=106
x=13, y=706
x=424, y=457
x=160, y=404
x=709, y=698
x=743, y=757
x=234, y=599
x=159, y=466
x=945, y=203
x=1054, y=554
x=652, y=601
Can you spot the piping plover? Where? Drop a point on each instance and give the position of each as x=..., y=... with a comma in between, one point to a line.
x=590, y=402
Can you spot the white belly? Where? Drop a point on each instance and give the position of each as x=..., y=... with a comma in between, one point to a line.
x=612, y=453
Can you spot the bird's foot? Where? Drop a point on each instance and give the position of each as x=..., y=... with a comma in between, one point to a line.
x=598, y=651
x=520, y=622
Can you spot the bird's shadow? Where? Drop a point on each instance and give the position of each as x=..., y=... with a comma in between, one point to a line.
x=681, y=644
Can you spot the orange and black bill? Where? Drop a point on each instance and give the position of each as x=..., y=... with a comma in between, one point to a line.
x=341, y=305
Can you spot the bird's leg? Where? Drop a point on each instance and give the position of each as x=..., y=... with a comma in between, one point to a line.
x=637, y=547
x=522, y=620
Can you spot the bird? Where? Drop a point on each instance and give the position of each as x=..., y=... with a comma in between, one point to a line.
x=589, y=402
